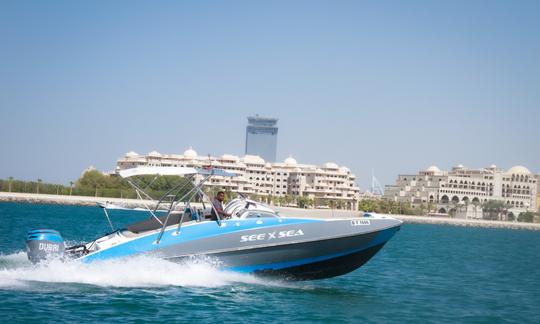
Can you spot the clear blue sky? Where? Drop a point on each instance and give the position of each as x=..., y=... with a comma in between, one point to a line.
x=395, y=86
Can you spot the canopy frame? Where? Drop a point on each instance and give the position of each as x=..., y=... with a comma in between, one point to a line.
x=130, y=176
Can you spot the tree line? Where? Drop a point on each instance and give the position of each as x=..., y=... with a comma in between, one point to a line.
x=96, y=184
x=385, y=206
x=286, y=200
x=491, y=210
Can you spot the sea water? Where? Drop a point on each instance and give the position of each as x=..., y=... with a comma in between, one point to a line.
x=426, y=273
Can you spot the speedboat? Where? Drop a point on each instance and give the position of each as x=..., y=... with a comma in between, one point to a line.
x=254, y=239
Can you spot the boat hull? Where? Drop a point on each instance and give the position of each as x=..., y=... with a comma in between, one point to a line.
x=329, y=268
x=311, y=260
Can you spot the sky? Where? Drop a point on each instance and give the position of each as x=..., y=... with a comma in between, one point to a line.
x=389, y=86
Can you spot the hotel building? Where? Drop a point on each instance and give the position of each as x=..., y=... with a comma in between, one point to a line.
x=256, y=176
x=537, y=192
x=464, y=189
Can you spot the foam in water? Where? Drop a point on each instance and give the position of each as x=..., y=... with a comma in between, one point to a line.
x=142, y=271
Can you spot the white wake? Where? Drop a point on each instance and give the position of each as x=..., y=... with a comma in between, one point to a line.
x=17, y=271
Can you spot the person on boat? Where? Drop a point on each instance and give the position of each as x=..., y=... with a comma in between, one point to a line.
x=218, y=206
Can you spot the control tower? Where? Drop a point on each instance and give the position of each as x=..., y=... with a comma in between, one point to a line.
x=261, y=137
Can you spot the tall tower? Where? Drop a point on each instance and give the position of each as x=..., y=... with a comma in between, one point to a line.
x=261, y=137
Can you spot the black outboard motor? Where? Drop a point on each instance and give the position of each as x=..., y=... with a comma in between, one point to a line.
x=42, y=244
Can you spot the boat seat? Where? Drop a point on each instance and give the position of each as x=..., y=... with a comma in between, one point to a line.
x=152, y=224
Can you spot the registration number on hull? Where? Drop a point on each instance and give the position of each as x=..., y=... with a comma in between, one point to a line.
x=359, y=222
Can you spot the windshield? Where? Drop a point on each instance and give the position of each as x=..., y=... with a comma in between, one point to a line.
x=258, y=214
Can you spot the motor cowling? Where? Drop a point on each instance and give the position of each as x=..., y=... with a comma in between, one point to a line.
x=42, y=244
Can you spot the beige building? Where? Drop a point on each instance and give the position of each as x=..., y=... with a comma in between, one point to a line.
x=464, y=189
x=538, y=192
x=255, y=176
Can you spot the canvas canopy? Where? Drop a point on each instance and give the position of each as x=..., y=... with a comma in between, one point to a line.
x=177, y=171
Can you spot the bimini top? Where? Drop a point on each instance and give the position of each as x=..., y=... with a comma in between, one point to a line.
x=177, y=171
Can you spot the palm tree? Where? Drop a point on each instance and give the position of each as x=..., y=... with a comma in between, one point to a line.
x=495, y=209
x=454, y=205
x=475, y=203
x=9, y=183
x=430, y=207
x=37, y=187
x=70, y=187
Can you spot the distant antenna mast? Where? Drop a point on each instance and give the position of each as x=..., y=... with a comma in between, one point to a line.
x=376, y=187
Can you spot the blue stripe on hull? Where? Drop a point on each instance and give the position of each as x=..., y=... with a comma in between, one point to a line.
x=382, y=237
x=189, y=233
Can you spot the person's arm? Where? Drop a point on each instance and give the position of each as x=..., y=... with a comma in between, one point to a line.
x=222, y=213
x=219, y=209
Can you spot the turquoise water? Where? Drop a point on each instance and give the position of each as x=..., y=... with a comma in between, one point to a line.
x=426, y=273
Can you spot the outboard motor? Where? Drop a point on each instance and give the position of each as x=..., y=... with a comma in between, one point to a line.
x=42, y=244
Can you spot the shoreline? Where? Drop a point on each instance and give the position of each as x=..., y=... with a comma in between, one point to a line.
x=33, y=198
x=290, y=211
x=411, y=219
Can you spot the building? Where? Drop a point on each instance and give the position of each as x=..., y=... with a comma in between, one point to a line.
x=255, y=176
x=261, y=137
x=538, y=192
x=463, y=190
